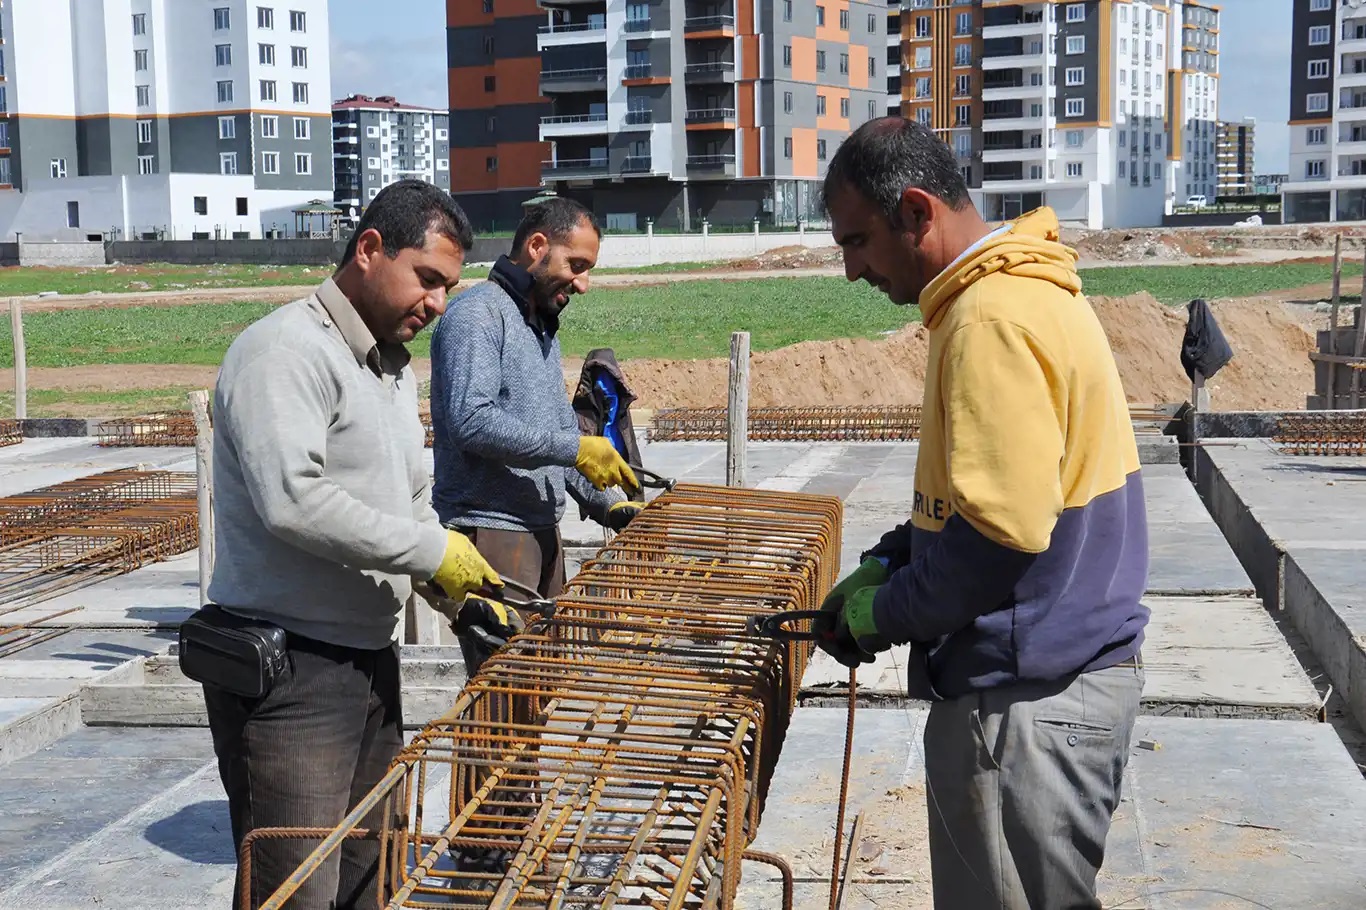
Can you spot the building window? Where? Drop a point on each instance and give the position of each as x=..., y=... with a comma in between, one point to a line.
x=267, y=89
x=1320, y=34
x=266, y=54
x=73, y=214
x=962, y=55
x=923, y=57
x=963, y=24
x=844, y=64
x=298, y=22
x=144, y=132
x=225, y=91
x=820, y=149
x=222, y=19
x=490, y=124
x=963, y=145
x=844, y=107
x=146, y=164
x=372, y=132
x=303, y=128
x=265, y=17
x=922, y=116
x=139, y=23
x=227, y=127
x=1075, y=138
x=844, y=20
x=872, y=66
x=490, y=84
x=488, y=6
x=140, y=61
x=1076, y=75
x=922, y=87
x=787, y=147
x=1123, y=77
x=1316, y=135
x=303, y=163
x=820, y=16
x=1076, y=12
x=227, y=163
x=872, y=110
x=820, y=105
x=298, y=57
x=1074, y=168
x=1320, y=6
x=820, y=61
x=57, y=168
x=787, y=102
x=241, y=206
x=1318, y=69
x=201, y=205
x=222, y=55
x=1076, y=44
x=922, y=26
x=144, y=93
x=872, y=23
x=1076, y=107
x=1313, y=169
x=301, y=93
x=1124, y=172
x=1316, y=103
x=787, y=55
x=787, y=10
x=270, y=162
x=962, y=86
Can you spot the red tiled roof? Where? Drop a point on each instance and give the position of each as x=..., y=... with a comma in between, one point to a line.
x=386, y=102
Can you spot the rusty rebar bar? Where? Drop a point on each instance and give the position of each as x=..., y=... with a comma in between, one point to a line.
x=877, y=423
x=165, y=428
x=1322, y=433
x=618, y=753
x=11, y=433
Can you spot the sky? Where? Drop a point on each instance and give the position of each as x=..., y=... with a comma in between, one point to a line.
x=375, y=52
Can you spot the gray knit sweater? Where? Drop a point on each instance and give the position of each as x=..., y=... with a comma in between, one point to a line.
x=506, y=436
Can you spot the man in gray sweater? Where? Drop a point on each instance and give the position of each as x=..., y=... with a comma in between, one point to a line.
x=322, y=523
x=507, y=441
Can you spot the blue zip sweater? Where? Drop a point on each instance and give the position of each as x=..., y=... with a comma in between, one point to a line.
x=506, y=436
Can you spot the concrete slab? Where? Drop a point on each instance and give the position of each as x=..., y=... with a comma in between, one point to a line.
x=161, y=595
x=43, y=462
x=1220, y=809
x=1204, y=657
x=1298, y=523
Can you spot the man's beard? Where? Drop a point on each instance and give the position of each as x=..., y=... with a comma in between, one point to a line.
x=545, y=290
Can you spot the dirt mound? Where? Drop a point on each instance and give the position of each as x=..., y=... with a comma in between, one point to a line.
x=789, y=257
x=1270, y=369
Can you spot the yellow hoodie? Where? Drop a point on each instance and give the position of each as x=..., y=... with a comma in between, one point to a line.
x=1027, y=550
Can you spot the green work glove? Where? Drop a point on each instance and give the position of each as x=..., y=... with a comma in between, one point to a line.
x=463, y=570
x=849, y=635
x=870, y=572
x=620, y=514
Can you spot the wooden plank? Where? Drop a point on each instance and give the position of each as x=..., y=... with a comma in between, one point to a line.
x=1335, y=358
x=1333, y=316
x=203, y=459
x=737, y=411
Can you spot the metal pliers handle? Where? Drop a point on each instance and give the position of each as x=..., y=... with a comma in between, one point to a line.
x=649, y=479
x=776, y=625
x=528, y=600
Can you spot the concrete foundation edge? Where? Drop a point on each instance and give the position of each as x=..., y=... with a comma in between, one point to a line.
x=40, y=728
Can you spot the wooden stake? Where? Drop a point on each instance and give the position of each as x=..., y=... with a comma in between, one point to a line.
x=16, y=324
x=737, y=410
x=203, y=459
x=1359, y=347
x=1328, y=399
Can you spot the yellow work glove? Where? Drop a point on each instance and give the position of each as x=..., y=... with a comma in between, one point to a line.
x=602, y=464
x=463, y=571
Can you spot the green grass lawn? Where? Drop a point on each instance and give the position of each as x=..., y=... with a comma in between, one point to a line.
x=52, y=403
x=682, y=320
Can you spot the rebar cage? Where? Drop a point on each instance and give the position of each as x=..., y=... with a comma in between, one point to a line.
x=618, y=753
x=11, y=433
x=165, y=428
x=1322, y=433
x=883, y=423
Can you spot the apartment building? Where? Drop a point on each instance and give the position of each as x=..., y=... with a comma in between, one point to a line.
x=669, y=111
x=1057, y=103
x=894, y=57
x=1193, y=102
x=1235, y=149
x=1327, y=179
x=162, y=118
x=376, y=141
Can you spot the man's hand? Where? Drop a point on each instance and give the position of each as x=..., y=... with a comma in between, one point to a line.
x=835, y=638
x=857, y=621
x=602, y=464
x=870, y=572
x=621, y=513
x=491, y=616
x=463, y=571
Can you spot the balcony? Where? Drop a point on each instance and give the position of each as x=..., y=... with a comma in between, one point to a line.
x=712, y=165
x=638, y=118
x=637, y=72
x=571, y=32
x=637, y=25
x=1011, y=23
x=567, y=168
x=574, y=80
x=573, y=125
x=709, y=27
x=1023, y=60
x=1012, y=92
x=710, y=71
x=1027, y=153
x=636, y=164
x=712, y=117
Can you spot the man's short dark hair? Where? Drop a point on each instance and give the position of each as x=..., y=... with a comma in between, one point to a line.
x=404, y=212
x=556, y=218
x=884, y=157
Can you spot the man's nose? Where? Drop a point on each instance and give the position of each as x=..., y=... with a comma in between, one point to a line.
x=437, y=301
x=580, y=283
x=853, y=267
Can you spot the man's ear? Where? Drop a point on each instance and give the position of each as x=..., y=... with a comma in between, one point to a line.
x=916, y=211
x=536, y=246
x=368, y=246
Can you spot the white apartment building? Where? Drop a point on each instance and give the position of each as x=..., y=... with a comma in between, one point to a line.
x=377, y=141
x=162, y=118
x=1193, y=101
x=1327, y=180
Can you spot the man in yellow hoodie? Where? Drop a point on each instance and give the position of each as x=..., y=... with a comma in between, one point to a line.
x=1017, y=581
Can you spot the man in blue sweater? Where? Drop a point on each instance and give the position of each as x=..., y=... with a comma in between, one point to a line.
x=507, y=441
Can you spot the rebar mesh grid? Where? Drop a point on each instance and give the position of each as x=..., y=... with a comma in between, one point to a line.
x=1322, y=433
x=11, y=433
x=618, y=753
x=63, y=537
x=889, y=423
x=166, y=428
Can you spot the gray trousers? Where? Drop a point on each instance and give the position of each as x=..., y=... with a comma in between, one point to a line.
x=1022, y=784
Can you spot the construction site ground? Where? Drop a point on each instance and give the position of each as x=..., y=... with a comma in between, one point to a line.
x=1237, y=790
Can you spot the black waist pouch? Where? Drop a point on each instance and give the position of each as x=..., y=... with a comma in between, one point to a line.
x=241, y=656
